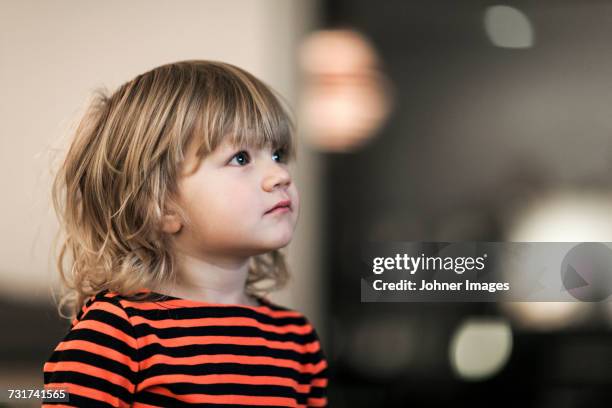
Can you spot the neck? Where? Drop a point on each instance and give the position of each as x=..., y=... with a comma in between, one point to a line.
x=211, y=279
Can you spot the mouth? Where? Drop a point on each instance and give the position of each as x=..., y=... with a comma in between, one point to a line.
x=280, y=207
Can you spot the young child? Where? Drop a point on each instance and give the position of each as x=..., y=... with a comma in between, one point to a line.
x=175, y=198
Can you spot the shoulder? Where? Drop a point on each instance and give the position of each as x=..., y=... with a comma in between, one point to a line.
x=102, y=300
x=121, y=303
x=280, y=310
x=103, y=310
x=97, y=360
x=289, y=316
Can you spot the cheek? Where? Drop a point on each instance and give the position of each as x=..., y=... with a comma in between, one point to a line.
x=295, y=201
x=228, y=201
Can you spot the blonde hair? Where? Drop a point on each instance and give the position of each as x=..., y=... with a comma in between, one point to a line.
x=120, y=173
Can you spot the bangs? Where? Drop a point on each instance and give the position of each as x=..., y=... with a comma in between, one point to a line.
x=243, y=111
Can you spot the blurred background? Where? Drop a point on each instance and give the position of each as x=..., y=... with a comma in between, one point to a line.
x=419, y=121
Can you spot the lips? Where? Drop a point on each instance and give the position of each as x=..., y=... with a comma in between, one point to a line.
x=284, y=205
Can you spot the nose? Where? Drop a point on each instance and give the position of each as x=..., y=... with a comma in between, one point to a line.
x=276, y=176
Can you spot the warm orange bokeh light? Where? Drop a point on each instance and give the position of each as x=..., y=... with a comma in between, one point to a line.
x=346, y=96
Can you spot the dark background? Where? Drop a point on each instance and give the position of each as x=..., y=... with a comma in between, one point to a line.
x=476, y=132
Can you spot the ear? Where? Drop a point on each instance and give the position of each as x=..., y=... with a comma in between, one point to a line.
x=171, y=224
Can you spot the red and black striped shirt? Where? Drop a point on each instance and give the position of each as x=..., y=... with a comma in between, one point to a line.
x=178, y=352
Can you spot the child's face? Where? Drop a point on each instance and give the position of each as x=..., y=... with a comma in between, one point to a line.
x=228, y=198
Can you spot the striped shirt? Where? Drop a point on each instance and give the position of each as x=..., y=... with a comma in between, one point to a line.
x=176, y=352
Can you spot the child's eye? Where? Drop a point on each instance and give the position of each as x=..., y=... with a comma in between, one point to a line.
x=280, y=155
x=241, y=158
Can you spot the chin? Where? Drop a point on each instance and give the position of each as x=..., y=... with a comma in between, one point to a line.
x=277, y=243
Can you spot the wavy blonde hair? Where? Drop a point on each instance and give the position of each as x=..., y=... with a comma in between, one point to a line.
x=120, y=173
